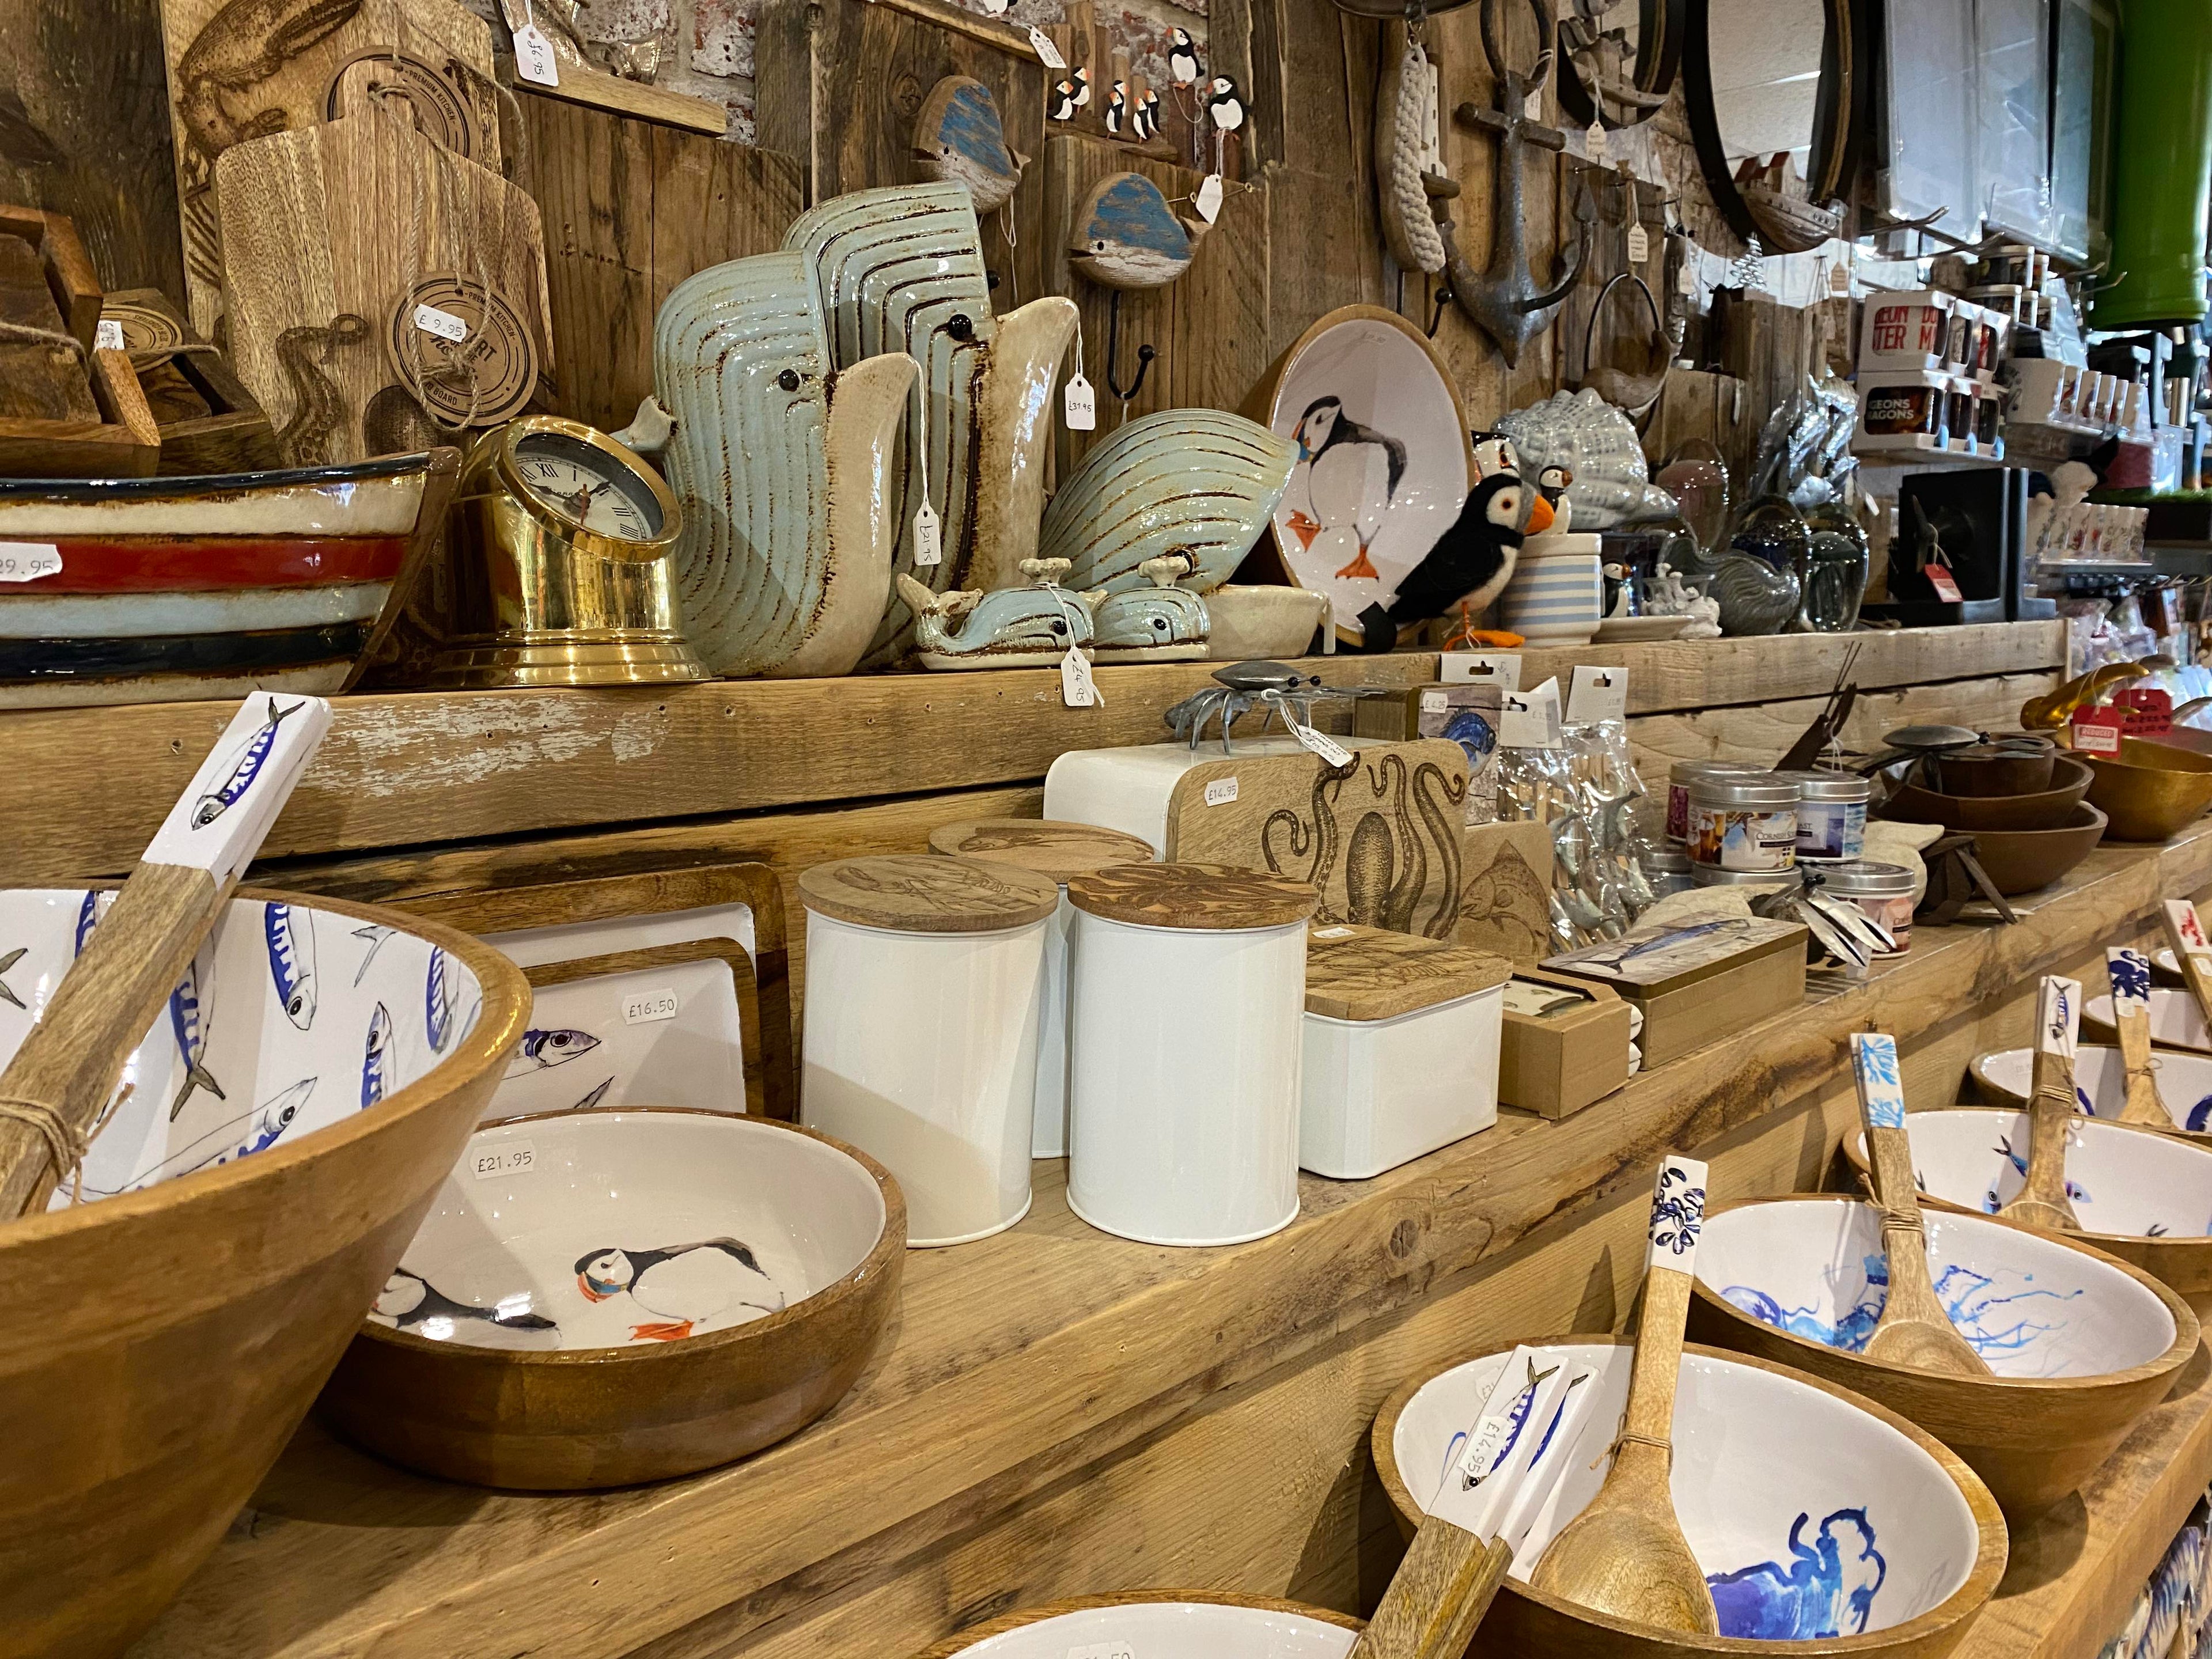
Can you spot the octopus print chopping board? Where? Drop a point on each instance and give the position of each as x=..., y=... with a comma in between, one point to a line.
x=1381, y=837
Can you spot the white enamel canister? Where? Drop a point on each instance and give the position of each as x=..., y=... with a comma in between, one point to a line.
x=1400, y=1048
x=1188, y=995
x=925, y=983
x=1058, y=852
x=1132, y=789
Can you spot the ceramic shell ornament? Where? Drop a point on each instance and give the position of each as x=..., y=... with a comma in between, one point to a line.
x=1126, y=235
x=1598, y=447
x=958, y=138
x=782, y=468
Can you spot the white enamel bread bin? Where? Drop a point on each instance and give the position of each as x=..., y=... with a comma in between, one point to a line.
x=925, y=983
x=1133, y=789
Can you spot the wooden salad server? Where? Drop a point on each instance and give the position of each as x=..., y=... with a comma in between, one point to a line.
x=1915, y=1329
x=2043, y=1201
x=2193, y=951
x=1625, y=1554
x=2129, y=973
x=64, y=1075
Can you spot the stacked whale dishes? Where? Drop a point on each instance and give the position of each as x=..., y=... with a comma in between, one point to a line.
x=2017, y=796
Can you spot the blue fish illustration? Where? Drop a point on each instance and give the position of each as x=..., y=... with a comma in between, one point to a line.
x=255, y=1131
x=959, y=138
x=290, y=935
x=6, y=963
x=438, y=1002
x=542, y=1050
x=1827, y=1589
x=88, y=918
x=376, y=1054
x=594, y=1097
x=1517, y=1420
x=1129, y=237
x=189, y=1021
x=244, y=766
x=1473, y=733
x=375, y=936
x=2018, y=1161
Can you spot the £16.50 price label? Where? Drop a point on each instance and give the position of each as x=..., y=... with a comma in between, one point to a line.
x=515, y=1157
x=26, y=561
x=1103, y=1650
x=647, y=1006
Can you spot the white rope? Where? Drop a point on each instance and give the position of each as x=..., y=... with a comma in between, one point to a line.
x=1409, y=126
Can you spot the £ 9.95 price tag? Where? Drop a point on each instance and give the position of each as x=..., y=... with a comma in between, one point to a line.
x=26, y=561
x=513, y=1159
x=443, y=324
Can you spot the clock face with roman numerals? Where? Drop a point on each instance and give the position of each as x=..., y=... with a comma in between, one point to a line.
x=586, y=484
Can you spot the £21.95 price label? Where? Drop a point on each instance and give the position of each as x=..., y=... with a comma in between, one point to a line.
x=514, y=1158
x=26, y=561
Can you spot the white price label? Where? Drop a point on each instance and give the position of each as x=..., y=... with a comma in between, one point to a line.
x=1532, y=107
x=1221, y=792
x=1685, y=280
x=1530, y=721
x=1332, y=932
x=2097, y=740
x=1208, y=199
x=649, y=1007
x=1640, y=245
x=26, y=561
x=928, y=535
x=1332, y=752
x=1594, y=141
x=1435, y=702
x=514, y=1157
x=1048, y=54
x=107, y=336
x=1080, y=405
x=1502, y=670
x=1103, y=1650
x=533, y=57
x=1076, y=689
x=443, y=324
x=1483, y=1447
x=1840, y=278
x=995, y=8
x=1597, y=693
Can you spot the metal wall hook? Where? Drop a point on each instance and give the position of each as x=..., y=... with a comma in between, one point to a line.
x=1145, y=356
x=1637, y=394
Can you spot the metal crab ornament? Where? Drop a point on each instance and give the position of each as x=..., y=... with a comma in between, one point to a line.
x=1277, y=687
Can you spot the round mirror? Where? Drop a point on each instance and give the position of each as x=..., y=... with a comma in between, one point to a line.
x=1618, y=58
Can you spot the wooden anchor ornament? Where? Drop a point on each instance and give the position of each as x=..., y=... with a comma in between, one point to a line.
x=1504, y=300
x=1915, y=1329
x=2130, y=974
x=2043, y=1201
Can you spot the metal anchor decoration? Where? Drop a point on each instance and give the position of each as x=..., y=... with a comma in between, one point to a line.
x=1503, y=301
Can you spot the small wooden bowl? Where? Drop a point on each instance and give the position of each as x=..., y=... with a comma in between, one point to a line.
x=2152, y=791
x=2005, y=1077
x=1989, y=770
x=1159, y=1625
x=2124, y=1180
x=1971, y=814
x=2176, y=1022
x=158, y=1346
x=512, y=1349
x=2023, y=860
x=1806, y=1450
x=2081, y=1344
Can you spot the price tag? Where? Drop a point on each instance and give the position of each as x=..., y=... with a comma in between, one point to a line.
x=1945, y=584
x=650, y=1007
x=1076, y=689
x=1221, y=792
x=1685, y=280
x=1597, y=693
x=1434, y=702
x=1532, y=107
x=1208, y=199
x=1640, y=245
x=1332, y=932
x=443, y=324
x=1080, y=404
x=1530, y=721
x=2098, y=731
x=928, y=537
x=1594, y=141
x=1048, y=54
x=995, y=8
x=1103, y=1650
x=533, y=57
x=1840, y=278
x=1332, y=752
x=1500, y=669
x=514, y=1158
x=107, y=335
x=26, y=561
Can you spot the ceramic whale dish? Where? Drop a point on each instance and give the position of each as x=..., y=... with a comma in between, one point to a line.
x=1125, y=235
x=959, y=138
x=1029, y=627
x=2081, y=1344
x=1162, y=623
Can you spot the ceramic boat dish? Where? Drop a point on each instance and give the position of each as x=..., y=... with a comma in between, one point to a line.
x=2141, y=1194
x=292, y=1198
x=1159, y=1625
x=2176, y=1022
x=188, y=588
x=602, y=1298
x=1814, y=1512
x=2006, y=1077
x=2080, y=1345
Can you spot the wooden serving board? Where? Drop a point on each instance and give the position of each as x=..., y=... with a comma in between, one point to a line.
x=242, y=69
x=63, y=417
x=316, y=225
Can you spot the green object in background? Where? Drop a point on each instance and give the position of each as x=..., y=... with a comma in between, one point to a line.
x=2162, y=165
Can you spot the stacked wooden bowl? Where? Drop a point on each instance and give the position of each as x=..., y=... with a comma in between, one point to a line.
x=2150, y=790
x=2023, y=805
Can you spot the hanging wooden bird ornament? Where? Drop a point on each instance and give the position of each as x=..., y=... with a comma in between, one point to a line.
x=1183, y=57
x=1126, y=235
x=1225, y=104
x=1145, y=122
x=959, y=139
x=1117, y=109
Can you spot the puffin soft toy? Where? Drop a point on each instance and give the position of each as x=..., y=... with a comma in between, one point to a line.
x=1473, y=561
x=685, y=1286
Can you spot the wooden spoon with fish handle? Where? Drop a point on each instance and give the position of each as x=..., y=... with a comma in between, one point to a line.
x=64, y=1074
x=2192, y=950
x=1915, y=1329
x=2043, y=1201
x=2129, y=973
x=1625, y=1554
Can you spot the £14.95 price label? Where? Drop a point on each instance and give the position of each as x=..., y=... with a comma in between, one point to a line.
x=514, y=1158
x=26, y=561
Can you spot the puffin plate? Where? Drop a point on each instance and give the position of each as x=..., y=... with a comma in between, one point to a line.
x=1383, y=462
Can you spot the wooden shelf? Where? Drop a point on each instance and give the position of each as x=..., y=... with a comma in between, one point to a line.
x=1057, y=1411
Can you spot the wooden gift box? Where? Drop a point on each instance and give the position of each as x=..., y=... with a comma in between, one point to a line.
x=1710, y=986
x=121, y=441
x=207, y=422
x=1557, y=1064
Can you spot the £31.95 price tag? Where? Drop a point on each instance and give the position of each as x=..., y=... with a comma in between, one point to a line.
x=26, y=561
x=1080, y=405
x=513, y=1159
x=443, y=324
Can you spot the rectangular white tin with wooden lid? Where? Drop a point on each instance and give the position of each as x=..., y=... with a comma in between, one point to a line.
x=1400, y=1048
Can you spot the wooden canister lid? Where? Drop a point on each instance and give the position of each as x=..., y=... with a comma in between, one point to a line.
x=927, y=893
x=1203, y=898
x=1050, y=846
x=1369, y=973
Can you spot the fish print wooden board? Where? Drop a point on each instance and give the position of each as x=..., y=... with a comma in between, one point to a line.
x=317, y=225
x=241, y=70
x=1381, y=838
x=1505, y=891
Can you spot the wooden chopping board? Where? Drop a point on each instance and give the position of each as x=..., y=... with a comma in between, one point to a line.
x=326, y=234
x=244, y=70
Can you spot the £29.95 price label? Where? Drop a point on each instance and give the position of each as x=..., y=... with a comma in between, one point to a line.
x=26, y=561
x=514, y=1158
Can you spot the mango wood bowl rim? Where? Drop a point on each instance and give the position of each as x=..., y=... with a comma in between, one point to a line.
x=2088, y=1021
x=1958, y=1609
x=498, y=1029
x=1021, y=1618
x=1854, y=1152
x=890, y=1246
x=2187, y=1332
x=2000, y=1096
